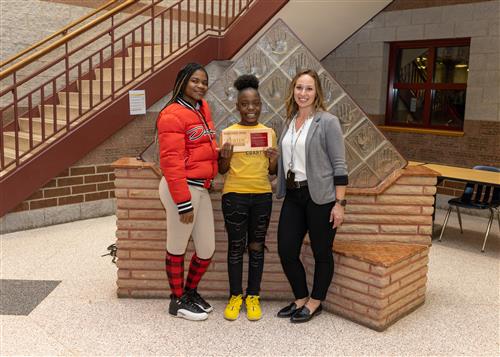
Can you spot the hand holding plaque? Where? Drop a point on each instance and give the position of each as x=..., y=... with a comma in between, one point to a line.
x=248, y=139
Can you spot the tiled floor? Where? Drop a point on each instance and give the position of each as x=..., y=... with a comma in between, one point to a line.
x=82, y=315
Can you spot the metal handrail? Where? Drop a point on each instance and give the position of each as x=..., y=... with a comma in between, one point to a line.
x=59, y=32
x=41, y=101
x=65, y=39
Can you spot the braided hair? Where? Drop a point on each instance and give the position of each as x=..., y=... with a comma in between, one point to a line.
x=179, y=87
x=246, y=81
x=182, y=79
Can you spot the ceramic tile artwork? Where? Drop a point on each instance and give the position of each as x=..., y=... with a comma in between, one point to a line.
x=275, y=58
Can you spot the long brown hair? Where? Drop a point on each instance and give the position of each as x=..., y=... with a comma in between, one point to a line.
x=291, y=106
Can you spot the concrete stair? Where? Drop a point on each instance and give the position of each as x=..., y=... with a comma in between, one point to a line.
x=118, y=74
x=96, y=87
x=61, y=110
x=137, y=51
x=127, y=63
x=74, y=99
x=24, y=140
x=36, y=125
x=9, y=155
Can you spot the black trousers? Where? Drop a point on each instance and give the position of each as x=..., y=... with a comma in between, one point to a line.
x=246, y=217
x=300, y=215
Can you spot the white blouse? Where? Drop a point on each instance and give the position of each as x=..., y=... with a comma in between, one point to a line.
x=298, y=145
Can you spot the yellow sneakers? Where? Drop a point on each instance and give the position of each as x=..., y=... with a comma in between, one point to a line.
x=233, y=307
x=254, y=312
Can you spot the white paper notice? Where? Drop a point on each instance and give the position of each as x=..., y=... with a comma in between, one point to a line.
x=413, y=104
x=137, y=101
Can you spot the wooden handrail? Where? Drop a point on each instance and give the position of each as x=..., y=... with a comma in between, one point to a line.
x=65, y=39
x=61, y=31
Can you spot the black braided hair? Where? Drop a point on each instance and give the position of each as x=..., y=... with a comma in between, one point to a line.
x=246, y=81
x=182, y=79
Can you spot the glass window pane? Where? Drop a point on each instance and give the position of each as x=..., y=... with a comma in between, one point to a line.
x=451, y=64
x=408, y=106
x=412, y=64
x=448, y=108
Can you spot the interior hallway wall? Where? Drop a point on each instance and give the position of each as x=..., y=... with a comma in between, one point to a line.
x=360, y=64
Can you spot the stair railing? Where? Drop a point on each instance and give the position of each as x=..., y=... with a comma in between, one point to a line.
x=46, y=97
x=63, y=31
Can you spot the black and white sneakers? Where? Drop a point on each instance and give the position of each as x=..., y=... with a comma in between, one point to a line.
x=184, y=307
x=198, y=300
x=190, y=306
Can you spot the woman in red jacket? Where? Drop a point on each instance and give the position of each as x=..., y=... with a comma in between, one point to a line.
x=188, y=160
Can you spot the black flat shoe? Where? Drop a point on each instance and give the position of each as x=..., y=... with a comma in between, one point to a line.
x=288, y=311
x=303, y=314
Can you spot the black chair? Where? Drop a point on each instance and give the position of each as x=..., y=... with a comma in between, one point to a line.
x=477, y=196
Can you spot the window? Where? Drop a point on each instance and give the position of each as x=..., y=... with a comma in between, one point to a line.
x=428, y=84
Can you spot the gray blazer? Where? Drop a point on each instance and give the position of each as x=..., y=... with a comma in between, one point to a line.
x=325, y=159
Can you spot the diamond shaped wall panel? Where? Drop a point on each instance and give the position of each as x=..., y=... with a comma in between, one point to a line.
x=275, y=58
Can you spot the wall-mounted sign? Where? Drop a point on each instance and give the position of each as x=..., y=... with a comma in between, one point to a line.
x=137, y=101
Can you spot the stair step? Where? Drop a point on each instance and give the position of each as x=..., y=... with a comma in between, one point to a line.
x=106, y=74
x=9, y=155
x=73, y=99
x=96, y=87
x=9, y=140
x=118, y=62
x=36, y=125
x=61, y=112
x=147, y=51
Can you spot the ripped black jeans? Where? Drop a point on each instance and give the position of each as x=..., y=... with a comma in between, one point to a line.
x=246, y=216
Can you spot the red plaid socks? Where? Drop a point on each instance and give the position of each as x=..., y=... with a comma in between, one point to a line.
x=174, y=265
x=197, y=268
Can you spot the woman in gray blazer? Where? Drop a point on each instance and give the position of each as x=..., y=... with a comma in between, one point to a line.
x=312, y=176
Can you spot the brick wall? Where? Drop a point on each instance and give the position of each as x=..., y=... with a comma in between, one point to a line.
x=74, y=185
x=478, y=146
x=399, y=211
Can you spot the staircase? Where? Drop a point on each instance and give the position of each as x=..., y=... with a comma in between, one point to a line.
x=60, y=102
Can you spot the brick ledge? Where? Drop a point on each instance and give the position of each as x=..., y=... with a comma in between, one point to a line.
x=130, y=163
x=379, y=254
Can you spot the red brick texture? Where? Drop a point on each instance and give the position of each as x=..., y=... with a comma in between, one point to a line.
x=73, y=185
x=370, y=287
x=377, y=291
x=478, y=146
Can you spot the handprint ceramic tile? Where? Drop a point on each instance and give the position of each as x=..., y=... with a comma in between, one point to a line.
x=363, y=177
x=275, y=58
x=348, y=113
x=278, y=42
x=385, y=160
x=274, y=89
x=224, y=90
x=254, y=62
x=298, y=61
x=332, y=92
x=352, y=158
x=364, y=139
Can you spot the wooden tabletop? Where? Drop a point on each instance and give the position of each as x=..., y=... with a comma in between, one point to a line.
x=462, y=174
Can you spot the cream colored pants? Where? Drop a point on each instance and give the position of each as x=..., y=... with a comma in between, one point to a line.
x=201, y=229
